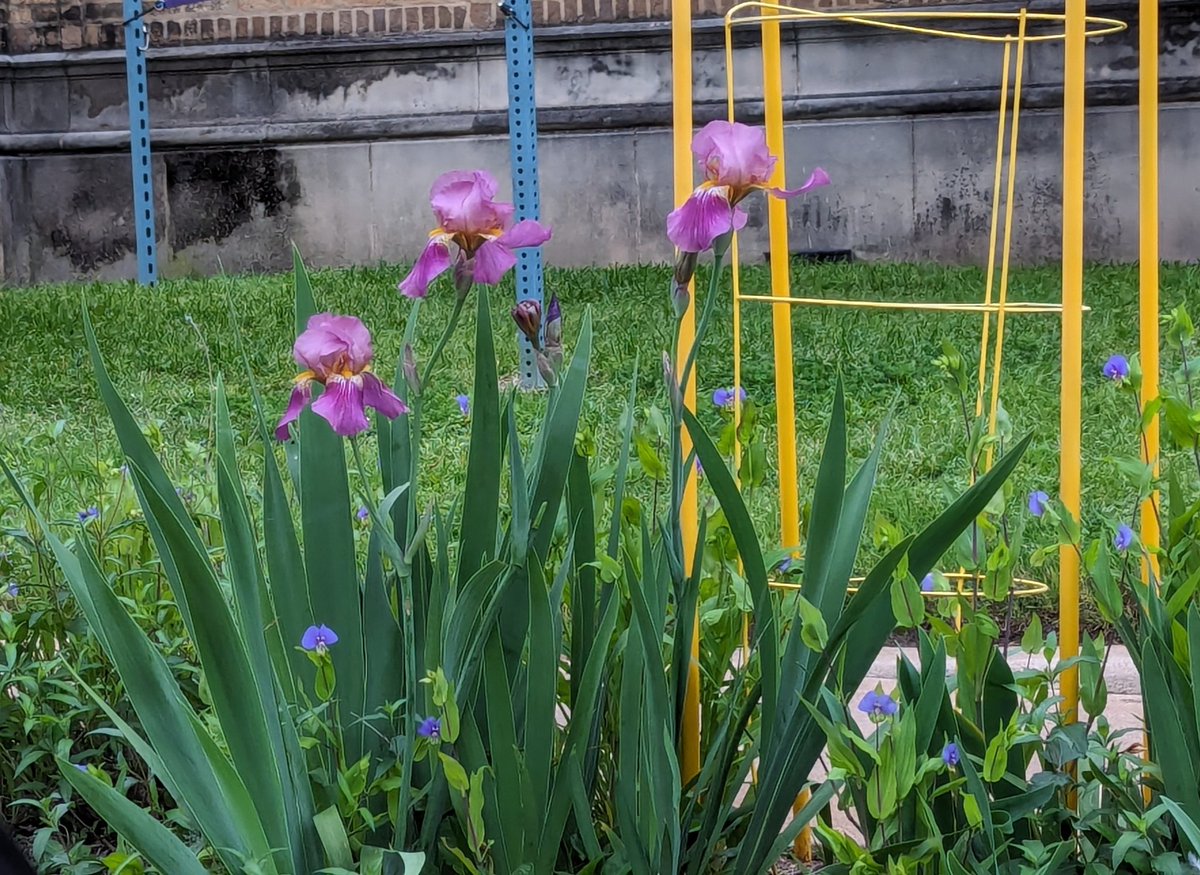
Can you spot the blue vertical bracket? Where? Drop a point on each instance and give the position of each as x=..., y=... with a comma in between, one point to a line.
x=139, y=144
x=522, y=132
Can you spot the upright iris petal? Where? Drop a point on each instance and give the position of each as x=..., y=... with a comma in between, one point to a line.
x=479, y=227
x=735, y=161
x=335, y=352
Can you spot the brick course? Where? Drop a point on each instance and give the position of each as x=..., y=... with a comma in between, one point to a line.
x=53, y=25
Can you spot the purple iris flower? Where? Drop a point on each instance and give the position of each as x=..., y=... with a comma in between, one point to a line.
x=1116, y=369
x=950, y=755
x=464, y=405
x=318, y=638
x=878, y=706
x=430, y=727
x=1038, y=502
x=86, y=516
x=1123, y=539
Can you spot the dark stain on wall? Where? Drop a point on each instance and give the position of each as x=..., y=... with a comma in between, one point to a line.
x=213, y=193
x=88, y=234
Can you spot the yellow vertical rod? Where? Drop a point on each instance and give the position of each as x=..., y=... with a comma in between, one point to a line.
x=681, y=95
x=992, y=232
x=998, y=354
x=781, y=317
x=781, y=323
x=1148, y=256
x=1074, y=105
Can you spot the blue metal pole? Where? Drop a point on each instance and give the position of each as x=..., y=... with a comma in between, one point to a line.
x=139, y=145
x=522, y=131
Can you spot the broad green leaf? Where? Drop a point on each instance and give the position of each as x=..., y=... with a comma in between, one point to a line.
x=456, y=775
x=481, y=504
x=334, y=839
x=153, y=840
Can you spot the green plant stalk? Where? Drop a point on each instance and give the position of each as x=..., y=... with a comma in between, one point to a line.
x=459, y=301
x=404, y=576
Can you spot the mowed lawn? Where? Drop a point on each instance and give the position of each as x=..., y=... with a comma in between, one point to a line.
x=166, y=345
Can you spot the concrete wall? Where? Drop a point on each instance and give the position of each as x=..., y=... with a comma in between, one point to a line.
x=334, y=146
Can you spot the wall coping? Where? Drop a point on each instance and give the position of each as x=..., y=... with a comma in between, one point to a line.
x=490, y=43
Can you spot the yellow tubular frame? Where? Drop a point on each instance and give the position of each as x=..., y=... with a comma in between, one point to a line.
x=1073, y=29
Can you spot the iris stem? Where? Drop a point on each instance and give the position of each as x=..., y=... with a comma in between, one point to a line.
x=459, y=301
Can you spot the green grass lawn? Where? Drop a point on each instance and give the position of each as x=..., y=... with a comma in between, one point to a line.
x=164, y=346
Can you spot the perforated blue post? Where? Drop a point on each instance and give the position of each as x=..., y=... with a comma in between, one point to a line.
x=139, y=145
x=522, y=130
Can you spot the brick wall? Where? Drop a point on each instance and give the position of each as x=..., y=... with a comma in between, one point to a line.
x=53, y=25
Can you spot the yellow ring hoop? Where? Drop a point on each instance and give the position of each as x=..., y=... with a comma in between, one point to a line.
x=1023, y=587
x=896, y=19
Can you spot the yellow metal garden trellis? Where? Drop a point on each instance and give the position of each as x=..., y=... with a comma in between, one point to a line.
x=1012, y=32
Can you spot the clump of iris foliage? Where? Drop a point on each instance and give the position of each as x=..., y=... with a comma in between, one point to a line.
x=335, y=672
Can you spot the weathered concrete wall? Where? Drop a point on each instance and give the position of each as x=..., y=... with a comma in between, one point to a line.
x=335, y=146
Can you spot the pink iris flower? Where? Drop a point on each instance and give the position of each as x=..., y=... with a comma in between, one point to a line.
x=481, y=228
x=335, y=351
x=735, y=161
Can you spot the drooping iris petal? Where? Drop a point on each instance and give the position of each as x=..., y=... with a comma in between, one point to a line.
x=378, y=396
x=463, y=202
x=341, y=405
x=433, y=261
x=704, y=217
x=492, y=261
x=816, y=179
x=733, y=154
x=524, y=234
x=301, y=395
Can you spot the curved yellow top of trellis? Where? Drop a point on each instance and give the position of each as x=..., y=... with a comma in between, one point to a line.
x=754, y=11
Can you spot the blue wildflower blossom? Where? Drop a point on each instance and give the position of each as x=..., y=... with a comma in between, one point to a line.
x=1116, y=369
x=950, y=755
x=430, y=727
x=464, y=404
x=928, y=582
x=318, y=638
x=1038, y=502
x=878, y=706
x=86, y=516
x=1123, y=539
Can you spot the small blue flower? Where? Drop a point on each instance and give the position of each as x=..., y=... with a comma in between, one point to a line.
x=362, y=514
x=86, y=516
x=1038, y=502
x=14, y=590
x=878, y=706
x=724, y=397
x=928, y=582
x=1116, y=369
x=1123, y=539
x=318, y=638
x=464, y=405
x=81, y=766
x=699, y=469
x=786, y=565
x=950, y=755
x=431, y=728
